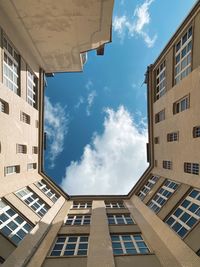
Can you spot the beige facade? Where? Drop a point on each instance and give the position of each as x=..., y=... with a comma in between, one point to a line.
x=158, y=222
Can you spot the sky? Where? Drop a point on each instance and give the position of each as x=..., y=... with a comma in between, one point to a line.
x=96, y=120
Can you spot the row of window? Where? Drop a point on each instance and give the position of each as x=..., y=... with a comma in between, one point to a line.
x=24, y=117
x=182, y=64
x=88, y=204
x=112, y=219
x=174, y=136
x=8, y=170
x=185, y=216
x=20, y=148
x=189, y=167
x=179, y=106
x=124, y=244
x=11, y=73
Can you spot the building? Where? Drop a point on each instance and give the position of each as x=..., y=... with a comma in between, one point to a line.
x=158, y=222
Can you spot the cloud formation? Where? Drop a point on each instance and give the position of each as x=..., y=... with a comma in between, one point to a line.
x=141, y=18
x=90, y=100
x=113, y=161
x=56, y=127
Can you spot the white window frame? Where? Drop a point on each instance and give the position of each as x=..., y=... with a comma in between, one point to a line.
x=10, y=66
x=12, y=169
x=181, y=105
x=148, y=186
x=177, y=222
x=45, y=188
x=126, y=219
x=135, y=239
x=66, y=242
x=160, y=116
x=192, y=168
x=12, y=221
x=81, y=205
x=162, y=195
x=25, y=194
x=183, y=63
x=78, y=219
x=31, y=166
x=161, y=80
x=115, y=205
x=31, y=89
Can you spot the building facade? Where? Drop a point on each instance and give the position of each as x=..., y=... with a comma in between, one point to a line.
x=158, y=222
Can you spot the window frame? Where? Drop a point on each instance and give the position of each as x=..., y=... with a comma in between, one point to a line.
x=160, y=116
x=83, y=219
x=160, y=80
x=47, y=190
x=81, y=205
x=167, y=164
x=196, y=131
x=31, y=88
x=191, y=168
x=178, y=105
x=11, y=222
x=146, y=188
x=124, y=217
x=162, y=195
x=184, y=208
x=173, y=136
x=131, y=239
x=32, y=200
x=114, y=205
x=66, y=242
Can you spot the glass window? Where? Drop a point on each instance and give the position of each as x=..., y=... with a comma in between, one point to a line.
x=192, y=168
x=33, y=201
x=82, y=205
x=10, y=66
x=128, y=244
x=31, y=89
x=196, y=131
x=181, y=105
x=70, y=246
x=183, y=56
x=160, y=80
x=171, y=137
x=115, y=204
x=167, y=164
x=160, y=116
x=49, y=192
x=12, y=224
x=147, y=187
x=186, y=215
x=78, y=220
x=12, y=169
x=120, y=219
x=162, y=195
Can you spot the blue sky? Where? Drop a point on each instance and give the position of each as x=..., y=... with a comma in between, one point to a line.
x=96, y=120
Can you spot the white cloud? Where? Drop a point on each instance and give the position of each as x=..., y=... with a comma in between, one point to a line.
x=56, y=126
x=114, y=160
x=141, y=18
x=79, y=103
x=89, y=85
x=90, y=100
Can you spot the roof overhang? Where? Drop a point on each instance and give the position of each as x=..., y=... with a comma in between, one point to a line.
x=58, y=32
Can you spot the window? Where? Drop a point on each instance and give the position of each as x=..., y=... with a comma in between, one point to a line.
x=147, y=187
x=171, y=137
x=167, y=164
x=70, y=246
x=31, y=166
x=12, y=224
x=196, y=131
x=183, y=56
x=186, y=215
x=156, y=140
x=192, y=168
x=4, y=106
x=45, y=188
x=160, y=80
x=162, y=195
x=160, y=116
x=31, y=89
x=181, y=105
x=10, y=66
x=35, y=150
x=120, y=219
x=12, y=169
x=82, y=205
x=129, y=244
x=25, y=118
x=33, y=201
x=78, y=219
x=115, y=204
x=21, y=149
